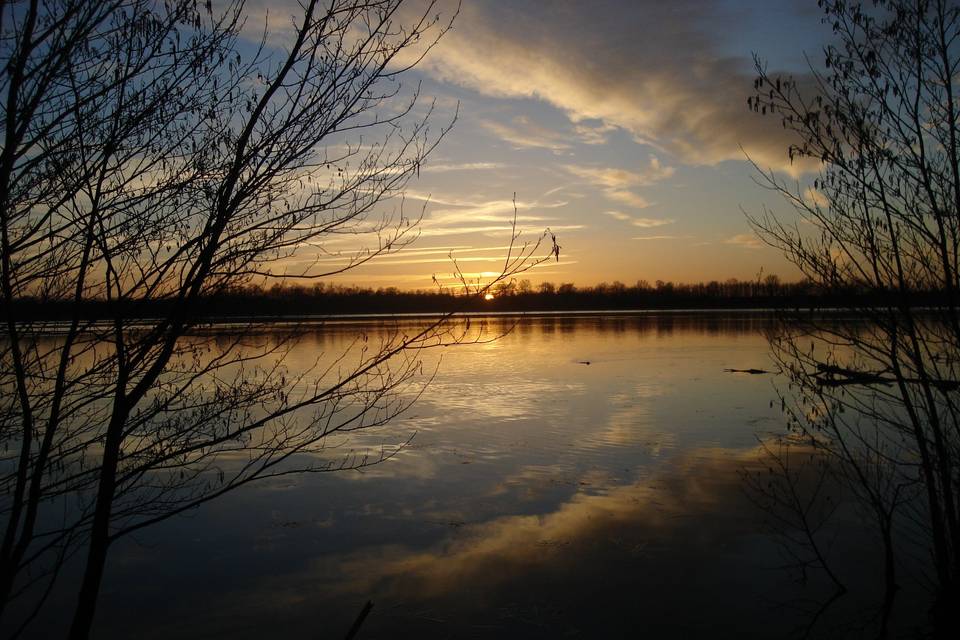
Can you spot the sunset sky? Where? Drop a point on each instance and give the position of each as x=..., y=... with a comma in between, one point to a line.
x=620, y=125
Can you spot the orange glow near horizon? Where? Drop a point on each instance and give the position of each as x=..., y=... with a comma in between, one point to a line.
x=488, y=296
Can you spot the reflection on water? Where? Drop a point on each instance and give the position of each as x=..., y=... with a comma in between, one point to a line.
x=578, y=477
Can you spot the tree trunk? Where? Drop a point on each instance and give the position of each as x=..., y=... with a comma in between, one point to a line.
x=100, y=533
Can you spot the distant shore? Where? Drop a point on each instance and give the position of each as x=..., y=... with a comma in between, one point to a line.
x=299, y=304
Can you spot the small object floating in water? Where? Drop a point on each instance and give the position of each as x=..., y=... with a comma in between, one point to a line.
x=754, y=372
x=583, y=362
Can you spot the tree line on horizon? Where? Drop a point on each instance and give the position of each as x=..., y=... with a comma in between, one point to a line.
x=324, y=298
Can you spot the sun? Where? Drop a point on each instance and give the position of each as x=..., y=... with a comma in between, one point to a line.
x=488, y=296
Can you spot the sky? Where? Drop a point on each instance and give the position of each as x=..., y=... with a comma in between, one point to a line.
x=620, y=125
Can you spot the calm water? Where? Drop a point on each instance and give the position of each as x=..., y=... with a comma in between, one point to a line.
x=539, y=497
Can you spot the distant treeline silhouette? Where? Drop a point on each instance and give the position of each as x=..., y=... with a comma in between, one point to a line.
x=281, y=300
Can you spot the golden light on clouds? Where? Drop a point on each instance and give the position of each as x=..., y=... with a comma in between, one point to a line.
x=608, y=123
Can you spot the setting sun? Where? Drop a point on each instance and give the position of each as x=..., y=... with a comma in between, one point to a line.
x=488, y=296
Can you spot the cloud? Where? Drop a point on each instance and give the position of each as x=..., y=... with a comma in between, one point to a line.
x=644, y=223
x=747, y=240
x=490, y=211
x=617, y=183
x=615, y=178
x=413, y=255
x=628, y=198
x=647, y=223
x=523, y=133
x=815, y=198
x=490, y=230
x=462, y=166
x=657, y=237
x=459, y=209
x=658, y=70
x=589, y=133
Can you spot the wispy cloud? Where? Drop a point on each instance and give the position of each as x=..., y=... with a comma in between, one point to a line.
x=492, y=211
x=747, y=240
x=618, y=215
x=494, y=256
x=458, y=215
x=411, y=194
x=628, y=198
x=522, y=132
x=594, y=134
x=457, y=210
x=644, y=223
x=617, y=184
x=489, y=230
x=463, y=166
x=616, y=178
x=815, y=198
x=647, y=223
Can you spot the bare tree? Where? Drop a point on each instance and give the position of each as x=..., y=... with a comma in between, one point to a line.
x=881, y=223
x=154, y=156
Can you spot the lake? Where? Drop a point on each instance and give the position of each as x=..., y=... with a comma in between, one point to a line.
x=581, y=476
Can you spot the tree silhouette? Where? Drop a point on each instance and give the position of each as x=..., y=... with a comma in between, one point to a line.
x=152, y=153
x=879, y=395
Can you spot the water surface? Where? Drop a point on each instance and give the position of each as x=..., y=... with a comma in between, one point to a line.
x=582, y=476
